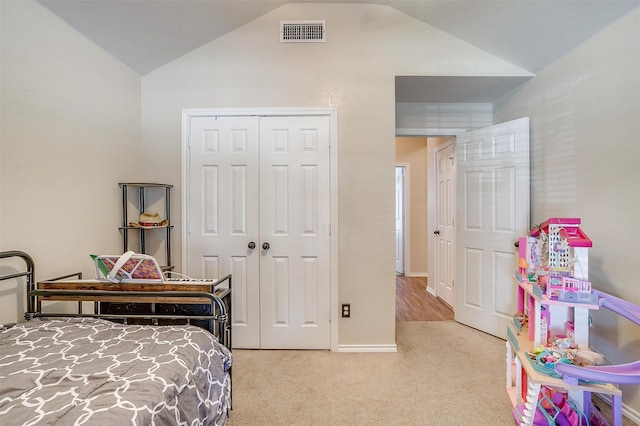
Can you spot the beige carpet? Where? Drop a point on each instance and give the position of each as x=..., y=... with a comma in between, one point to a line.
x=443, y=374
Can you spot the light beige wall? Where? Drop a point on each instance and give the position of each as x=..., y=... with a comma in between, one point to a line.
x=413, y=151
x=585, y=135
x=70, y=130
x=354, y=71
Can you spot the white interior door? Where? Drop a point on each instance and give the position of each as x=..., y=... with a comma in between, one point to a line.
x=400, y=222
x=263, y=181
x=222, y=215
x=294, y=222
x=446, y=220
x=493, y=211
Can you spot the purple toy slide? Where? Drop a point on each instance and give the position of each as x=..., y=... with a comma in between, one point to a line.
x=620, y=374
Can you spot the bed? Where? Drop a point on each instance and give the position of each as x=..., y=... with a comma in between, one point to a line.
x=88, y=368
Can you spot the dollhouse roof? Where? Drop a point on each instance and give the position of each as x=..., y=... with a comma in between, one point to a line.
x=569, y=230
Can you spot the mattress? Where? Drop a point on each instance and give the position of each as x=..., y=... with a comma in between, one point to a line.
x=88, y=371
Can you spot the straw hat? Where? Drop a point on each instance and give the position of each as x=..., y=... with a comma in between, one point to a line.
x=150, y=220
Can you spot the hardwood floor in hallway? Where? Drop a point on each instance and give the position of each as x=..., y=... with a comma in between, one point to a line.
x=415, y=303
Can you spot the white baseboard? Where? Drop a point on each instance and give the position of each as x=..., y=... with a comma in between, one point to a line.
x=628, y=412
x=367, y=348
x=432, y=291
x=416, y=274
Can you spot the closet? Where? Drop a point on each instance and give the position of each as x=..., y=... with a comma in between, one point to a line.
x=257, y=205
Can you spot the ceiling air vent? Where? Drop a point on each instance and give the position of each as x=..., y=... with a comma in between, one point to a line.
x=303, y=31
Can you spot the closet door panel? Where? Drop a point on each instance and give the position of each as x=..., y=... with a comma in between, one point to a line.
x=294, y=221
x=223, y=210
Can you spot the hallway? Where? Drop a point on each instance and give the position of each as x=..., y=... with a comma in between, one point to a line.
x=415, y=303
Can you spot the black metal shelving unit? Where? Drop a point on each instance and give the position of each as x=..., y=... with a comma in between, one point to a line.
x=142, y=199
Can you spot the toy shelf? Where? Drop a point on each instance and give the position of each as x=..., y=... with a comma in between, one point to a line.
x=524, y=381
x=559, y=313
x=544, y=299
x=519, y=345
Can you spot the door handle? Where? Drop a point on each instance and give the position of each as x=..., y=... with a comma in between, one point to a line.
x=252, y=245
x=436, y=232
x=266, y=246
x=517, y=243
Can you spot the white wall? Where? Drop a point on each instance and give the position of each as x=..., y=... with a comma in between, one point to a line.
x=354, y=71
x=585, y=146
x=423, y=117
x=70, y=131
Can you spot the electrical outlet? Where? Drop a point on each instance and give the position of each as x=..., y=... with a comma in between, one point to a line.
x=346, y=310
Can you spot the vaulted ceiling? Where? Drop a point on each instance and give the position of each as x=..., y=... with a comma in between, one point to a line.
x=146, y=34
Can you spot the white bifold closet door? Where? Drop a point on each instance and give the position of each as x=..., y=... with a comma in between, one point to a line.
x=258, y=207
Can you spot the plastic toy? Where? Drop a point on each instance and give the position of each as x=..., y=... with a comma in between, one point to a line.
x=620, y=374
x=575, y=290
x=561, y=246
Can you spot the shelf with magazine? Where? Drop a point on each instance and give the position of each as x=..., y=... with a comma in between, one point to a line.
x=552, y=326
x=146, y=214
x=146, y=219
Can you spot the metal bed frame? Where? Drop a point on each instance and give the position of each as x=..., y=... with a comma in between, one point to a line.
x=219, y=320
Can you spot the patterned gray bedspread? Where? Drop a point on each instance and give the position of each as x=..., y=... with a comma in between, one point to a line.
x=95, y=372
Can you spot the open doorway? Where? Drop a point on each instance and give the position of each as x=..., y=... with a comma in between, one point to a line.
x=416, y=297
x=491, y=217
x=402, y=194
x=411, y=159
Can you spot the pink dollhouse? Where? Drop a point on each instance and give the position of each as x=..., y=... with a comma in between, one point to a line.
x=555, y=255
x=564, y=245
x=554, y=300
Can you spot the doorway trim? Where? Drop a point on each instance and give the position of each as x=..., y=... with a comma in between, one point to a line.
x=187, y=113
x=406, y=222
